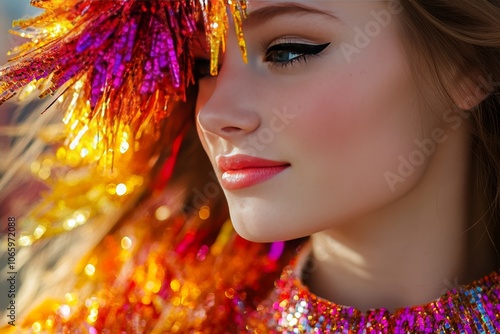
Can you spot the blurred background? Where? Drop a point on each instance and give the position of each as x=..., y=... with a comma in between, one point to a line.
x=9, y=11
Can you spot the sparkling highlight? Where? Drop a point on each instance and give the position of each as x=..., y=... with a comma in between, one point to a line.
x=292, y=308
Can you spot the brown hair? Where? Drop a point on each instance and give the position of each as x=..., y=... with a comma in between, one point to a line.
x=460, y=40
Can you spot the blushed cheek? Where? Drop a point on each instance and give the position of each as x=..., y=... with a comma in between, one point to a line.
x=357, y=126
x=331, y=118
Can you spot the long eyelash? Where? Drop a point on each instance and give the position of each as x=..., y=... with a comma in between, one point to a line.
x=305, y=51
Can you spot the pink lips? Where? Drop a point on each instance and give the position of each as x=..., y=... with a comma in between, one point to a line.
x=242, y=171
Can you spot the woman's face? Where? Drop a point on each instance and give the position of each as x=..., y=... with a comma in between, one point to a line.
x=327, y=100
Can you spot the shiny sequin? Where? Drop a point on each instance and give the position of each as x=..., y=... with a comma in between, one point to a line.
x=292, y=308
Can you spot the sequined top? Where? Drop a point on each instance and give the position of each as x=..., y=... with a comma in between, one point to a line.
x=292, y=308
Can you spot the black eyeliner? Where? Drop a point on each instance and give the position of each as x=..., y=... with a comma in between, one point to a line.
x=299, y=48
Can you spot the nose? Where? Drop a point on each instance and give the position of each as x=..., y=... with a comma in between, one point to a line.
x=227, y=104
x=223, y=117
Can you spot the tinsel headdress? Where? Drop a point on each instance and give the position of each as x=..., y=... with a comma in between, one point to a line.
x=115, y=68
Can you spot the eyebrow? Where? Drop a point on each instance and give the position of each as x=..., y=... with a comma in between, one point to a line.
x=267, y=13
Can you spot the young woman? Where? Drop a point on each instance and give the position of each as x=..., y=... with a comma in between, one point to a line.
x=368, y=126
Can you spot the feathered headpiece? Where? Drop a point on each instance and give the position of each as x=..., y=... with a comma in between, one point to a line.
x=116, y=68
x=125, y=59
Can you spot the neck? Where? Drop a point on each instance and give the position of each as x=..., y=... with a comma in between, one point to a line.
x=407, y=253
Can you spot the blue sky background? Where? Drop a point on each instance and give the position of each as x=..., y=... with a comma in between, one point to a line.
x=10, y=10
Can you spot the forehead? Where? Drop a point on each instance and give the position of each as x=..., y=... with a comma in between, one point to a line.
x=348, y=11
x=254, y=5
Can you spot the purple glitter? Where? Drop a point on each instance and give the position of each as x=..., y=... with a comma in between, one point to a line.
x=472, y=309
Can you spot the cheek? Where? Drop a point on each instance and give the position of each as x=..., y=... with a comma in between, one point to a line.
x=345, y=120
x=201, y=135
x=206, y=89
x=353, y=130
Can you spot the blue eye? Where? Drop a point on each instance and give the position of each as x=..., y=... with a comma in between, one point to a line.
x=287, y=54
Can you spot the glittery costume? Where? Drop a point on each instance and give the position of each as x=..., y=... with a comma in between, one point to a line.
x=122, y=71
x=292, y=308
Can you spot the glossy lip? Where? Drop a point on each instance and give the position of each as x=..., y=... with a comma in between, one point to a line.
x=242, y=171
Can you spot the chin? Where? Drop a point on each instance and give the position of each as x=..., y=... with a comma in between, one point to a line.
x=246, y=229
x=249, y=229
x=260, y=229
